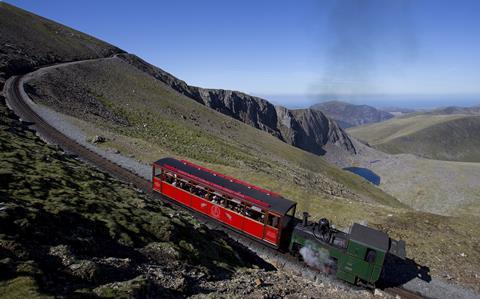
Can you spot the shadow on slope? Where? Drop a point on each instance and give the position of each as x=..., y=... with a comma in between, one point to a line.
x=397, y=272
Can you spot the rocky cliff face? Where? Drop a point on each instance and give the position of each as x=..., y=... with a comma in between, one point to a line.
x=304, y=128
x=349, y=115
x=311, y=130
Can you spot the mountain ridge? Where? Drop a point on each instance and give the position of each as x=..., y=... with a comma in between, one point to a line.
x=473, y=110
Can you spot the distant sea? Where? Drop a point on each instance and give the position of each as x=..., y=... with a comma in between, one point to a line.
x=380, y=101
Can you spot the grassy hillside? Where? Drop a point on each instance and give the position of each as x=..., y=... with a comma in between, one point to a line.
x=162, y=123
x=441, y=137
x=67, y=228
x=28, y=40
x=144, y=109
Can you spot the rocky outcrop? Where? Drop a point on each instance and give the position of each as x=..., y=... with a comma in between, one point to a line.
x=311, y=130
x=305, y=128
x=349, y=115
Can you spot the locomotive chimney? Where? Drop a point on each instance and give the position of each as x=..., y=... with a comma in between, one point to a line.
x=305, y=219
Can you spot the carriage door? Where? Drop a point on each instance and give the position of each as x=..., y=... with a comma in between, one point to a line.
x=272, y=229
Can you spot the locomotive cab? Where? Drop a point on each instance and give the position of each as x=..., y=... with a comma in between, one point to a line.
x=364, y=256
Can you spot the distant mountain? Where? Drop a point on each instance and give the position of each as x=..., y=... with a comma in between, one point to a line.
x=475, y=110
x=307, y=129
x=349, y=115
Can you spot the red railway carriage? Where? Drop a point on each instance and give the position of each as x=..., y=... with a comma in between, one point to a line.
x=259, y=213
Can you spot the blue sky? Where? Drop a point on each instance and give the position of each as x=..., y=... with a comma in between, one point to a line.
x=289, y=51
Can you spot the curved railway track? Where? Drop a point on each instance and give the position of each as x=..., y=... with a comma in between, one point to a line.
x=15, y=101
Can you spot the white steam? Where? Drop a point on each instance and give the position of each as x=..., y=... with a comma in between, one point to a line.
x=318, y=259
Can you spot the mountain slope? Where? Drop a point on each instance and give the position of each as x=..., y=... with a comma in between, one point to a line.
x=450, y=137
x=176, y=126
x=169, y=122
x=349, y=115
x=67, y=228
x=259, y=113
x=28, y=40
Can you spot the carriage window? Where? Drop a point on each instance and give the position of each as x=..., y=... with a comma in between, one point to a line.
x=168, y=177
x=273, y=220
x=254, y=213
x=235, y=206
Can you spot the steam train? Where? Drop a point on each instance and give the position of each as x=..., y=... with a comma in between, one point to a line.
x=356, y=257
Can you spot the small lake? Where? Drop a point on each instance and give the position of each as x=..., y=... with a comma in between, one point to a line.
x=365, y=173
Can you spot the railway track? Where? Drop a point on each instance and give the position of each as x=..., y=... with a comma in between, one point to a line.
x=284, y=261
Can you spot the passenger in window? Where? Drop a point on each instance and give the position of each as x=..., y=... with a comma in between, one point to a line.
x=174, y=182
x=215, y=199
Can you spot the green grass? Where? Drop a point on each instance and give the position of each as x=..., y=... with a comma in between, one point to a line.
x=53, y=200
x=397, y=127
x=440, y=137
x=20, y=287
